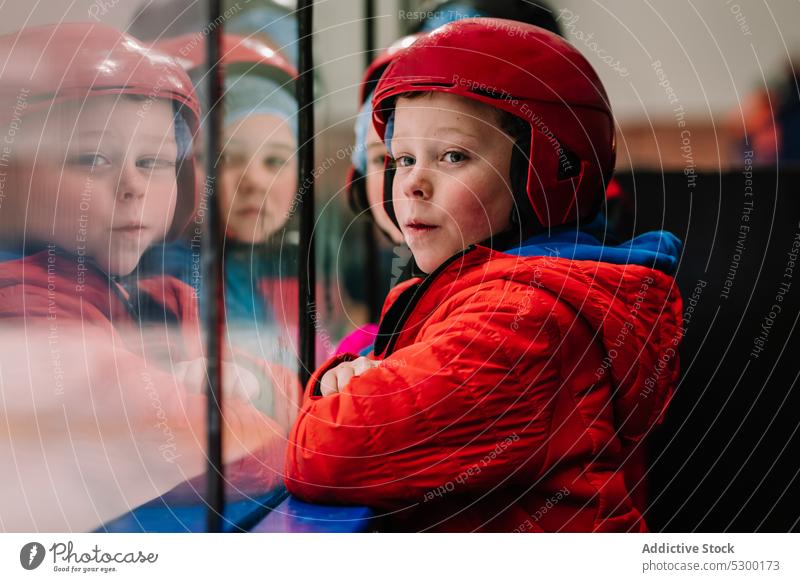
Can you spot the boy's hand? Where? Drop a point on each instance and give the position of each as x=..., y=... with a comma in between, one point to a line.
x=335, y=379
x=237, y=381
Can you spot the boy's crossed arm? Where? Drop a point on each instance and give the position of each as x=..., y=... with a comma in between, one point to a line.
x=428, y=413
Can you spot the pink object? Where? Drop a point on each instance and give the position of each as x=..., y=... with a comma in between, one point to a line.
x=357, y=340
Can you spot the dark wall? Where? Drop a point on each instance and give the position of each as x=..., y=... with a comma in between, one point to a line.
x=728, y=454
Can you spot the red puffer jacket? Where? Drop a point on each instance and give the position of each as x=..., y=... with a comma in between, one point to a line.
x=513, y=396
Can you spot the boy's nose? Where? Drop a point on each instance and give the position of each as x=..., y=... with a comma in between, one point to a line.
x=132, y=184
x=417, y=184
x=255, y=179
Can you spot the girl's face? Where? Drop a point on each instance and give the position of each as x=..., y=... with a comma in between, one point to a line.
x=376, y=153
x=451, y=186
x=258, y=179
x=98, y=179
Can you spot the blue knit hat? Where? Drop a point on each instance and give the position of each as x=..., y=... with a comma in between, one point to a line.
x=249, y=94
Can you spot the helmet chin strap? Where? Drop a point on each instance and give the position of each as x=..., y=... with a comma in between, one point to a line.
x=504, y=240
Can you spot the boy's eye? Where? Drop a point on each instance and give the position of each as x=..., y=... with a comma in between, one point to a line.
x=92, y=161
x=454, y=157
x=274, y=162
x=156, y=163
x=377, y=161
x=232, y=159
x=404, y=161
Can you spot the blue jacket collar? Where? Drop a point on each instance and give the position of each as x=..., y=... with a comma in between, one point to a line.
x=658, y=249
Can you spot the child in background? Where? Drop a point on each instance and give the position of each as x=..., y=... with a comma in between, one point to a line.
x=102, y=167
x=365, y=176
x=364, y=185
x=518, y=373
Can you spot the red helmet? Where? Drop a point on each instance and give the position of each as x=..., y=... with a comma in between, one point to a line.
x=72, y=61
x=534, y=75
x=239, y=55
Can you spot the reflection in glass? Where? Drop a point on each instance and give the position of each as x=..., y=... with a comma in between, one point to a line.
x=102, y=365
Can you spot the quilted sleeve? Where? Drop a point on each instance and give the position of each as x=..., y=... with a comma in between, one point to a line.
x=465, y=407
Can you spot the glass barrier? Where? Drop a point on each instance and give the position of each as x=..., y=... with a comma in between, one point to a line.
x=104, y=206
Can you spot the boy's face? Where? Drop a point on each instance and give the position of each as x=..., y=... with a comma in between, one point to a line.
x=258, y=179
x=96, y=178
x=376, y=154
x=451, y=184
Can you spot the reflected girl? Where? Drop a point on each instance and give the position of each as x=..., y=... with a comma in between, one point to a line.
x=257, y=191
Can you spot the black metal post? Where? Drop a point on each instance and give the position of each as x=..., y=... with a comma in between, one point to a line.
x=212, y=271
x=308, y=275
x=371, y=268
x=369, y=30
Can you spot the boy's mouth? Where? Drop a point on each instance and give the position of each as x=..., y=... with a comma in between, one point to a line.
x=419, y=227
x=249, y=211
x=128, y=228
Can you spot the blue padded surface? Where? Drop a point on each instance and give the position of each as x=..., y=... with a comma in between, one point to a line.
x=159, y=517
x=296, y=516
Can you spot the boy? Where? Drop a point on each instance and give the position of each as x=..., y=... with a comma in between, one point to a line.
x=507, y=389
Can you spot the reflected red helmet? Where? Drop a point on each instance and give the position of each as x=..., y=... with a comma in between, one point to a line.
x=45, y=65
x=534, y=75
x=239, y=54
